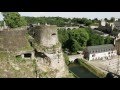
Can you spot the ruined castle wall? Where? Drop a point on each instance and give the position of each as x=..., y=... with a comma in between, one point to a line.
x=13, y=40
x=46, y=35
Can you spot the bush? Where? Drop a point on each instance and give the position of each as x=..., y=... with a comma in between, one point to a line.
x=19, y=59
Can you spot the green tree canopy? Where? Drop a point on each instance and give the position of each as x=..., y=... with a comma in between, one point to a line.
x=112, y=19
x=75, y=46
x=13, y=19
x=108, y=40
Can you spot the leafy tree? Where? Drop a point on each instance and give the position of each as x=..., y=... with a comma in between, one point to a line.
x=74, y=40
x=95, y=20
x=101, y=40
x=59, y=21
x=74, y=45
x=94, y=38
x=89, y=22
x=112, y=19
x=106, y=19
x=108, y=40
x=63, y=36
x=78, y=39
x=13, y=19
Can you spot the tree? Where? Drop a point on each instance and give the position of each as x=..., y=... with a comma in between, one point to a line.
x=108, y=40
x=106, y=19
x=63, y=37
x=94, y=38
x=112, y=19
x=80, y=35
x=75, y=46
x=101, y=40
x=88, y=22
x=13, y=19
x=95, y=20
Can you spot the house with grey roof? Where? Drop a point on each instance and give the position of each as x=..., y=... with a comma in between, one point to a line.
x=100, y=52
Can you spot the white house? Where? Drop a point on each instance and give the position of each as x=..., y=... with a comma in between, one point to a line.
x=100, y=52
x=94, y=26
x=103, y=22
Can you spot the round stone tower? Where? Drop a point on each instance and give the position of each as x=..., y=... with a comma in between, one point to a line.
x=46, y=35
x=46, y=42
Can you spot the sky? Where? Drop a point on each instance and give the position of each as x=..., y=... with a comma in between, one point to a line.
x=90, y=15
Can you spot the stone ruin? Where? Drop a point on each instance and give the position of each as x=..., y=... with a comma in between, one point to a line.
x=17, y=41
x=45, y=35
x=40, y=43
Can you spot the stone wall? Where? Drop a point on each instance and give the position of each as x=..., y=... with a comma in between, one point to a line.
x=46, y=38
x=45, y=35
x=13, y=40
x=51, y=56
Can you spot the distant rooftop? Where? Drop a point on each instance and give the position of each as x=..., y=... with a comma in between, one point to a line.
x=100, y=48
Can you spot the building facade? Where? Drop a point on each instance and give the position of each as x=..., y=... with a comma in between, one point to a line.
x=117, y=46
x=100, y=52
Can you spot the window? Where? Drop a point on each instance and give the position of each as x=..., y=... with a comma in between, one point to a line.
x=54, y=34
x=27, y=55
x=93, y=55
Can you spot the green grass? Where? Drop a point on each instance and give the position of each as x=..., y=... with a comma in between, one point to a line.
x=27, y=47
x=19, y=59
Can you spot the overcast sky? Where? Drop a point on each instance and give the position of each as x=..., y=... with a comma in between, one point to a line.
x=90, y=15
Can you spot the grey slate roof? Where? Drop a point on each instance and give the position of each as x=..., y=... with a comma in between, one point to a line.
x=114, y=33
x=100, y=48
